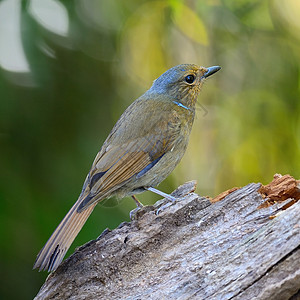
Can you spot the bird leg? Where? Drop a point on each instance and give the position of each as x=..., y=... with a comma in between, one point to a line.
x=158, y=192
x=167, y=196
x=137, y=202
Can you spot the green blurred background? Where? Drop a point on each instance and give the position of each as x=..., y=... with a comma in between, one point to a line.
x=68, y=69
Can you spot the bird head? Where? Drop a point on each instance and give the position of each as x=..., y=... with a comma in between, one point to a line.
x=183, y=82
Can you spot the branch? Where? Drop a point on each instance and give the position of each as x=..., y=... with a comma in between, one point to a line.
x=193, y=249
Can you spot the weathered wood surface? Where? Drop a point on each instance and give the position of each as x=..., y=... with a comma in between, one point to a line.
x=193, y=249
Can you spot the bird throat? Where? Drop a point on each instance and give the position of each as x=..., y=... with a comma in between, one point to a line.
x=186, y=97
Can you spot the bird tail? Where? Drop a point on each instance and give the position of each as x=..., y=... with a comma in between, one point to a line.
x=61, y=239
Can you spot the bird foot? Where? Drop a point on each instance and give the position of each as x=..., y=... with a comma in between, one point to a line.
x=133, y=213
x=138, y=212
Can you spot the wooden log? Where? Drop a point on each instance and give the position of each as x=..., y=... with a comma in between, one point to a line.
x=193, y=249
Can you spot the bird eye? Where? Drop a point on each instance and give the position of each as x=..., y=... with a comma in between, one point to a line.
x=190, y=79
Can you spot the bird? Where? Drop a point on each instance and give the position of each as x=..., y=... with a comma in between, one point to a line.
x=142, y=149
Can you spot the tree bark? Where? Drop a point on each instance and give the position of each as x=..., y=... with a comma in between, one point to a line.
x=240, y=245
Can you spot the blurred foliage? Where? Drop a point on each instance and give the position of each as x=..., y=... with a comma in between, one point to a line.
x=68, y=69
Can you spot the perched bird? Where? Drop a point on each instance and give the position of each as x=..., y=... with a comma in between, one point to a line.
x=143, y=148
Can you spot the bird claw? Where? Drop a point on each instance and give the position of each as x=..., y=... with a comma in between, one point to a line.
x=163, y=207
x=133, y=213
x=138, y=212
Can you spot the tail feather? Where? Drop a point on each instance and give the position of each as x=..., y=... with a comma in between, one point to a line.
x=61, y=239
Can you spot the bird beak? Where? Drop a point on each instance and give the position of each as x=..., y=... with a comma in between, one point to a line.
x=211, y=70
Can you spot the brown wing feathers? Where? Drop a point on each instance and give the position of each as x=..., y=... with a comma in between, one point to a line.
x=132, y=158
x=117, y=175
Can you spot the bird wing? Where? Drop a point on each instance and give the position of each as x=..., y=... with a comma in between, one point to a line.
x=117, y=163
